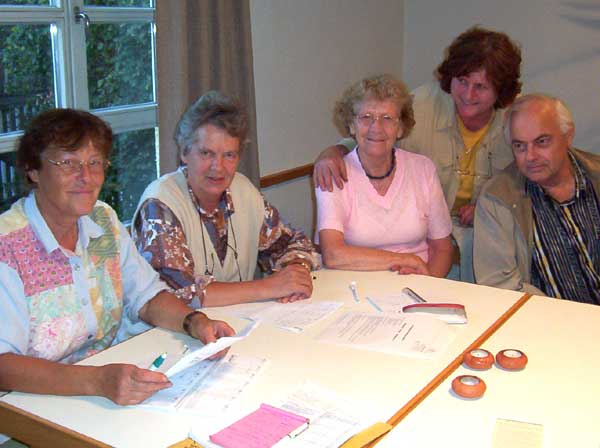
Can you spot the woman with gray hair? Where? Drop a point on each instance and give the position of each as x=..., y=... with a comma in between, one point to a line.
x=205, y=226
x=392, y=213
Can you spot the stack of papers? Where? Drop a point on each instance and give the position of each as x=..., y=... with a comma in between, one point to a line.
x=209, y=387
x=262, y=428
x=331, y=421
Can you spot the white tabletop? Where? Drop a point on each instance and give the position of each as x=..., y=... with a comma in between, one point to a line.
x=559, y=388
x=376, y=380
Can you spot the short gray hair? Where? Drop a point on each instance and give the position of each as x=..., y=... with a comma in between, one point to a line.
x=563, y=114
x=214, y=108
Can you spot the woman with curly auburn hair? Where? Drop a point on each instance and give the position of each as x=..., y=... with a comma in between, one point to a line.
x=458, y=126
x=358, y=227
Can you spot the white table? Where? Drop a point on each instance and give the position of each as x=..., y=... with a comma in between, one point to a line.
x=559, y=388
x=383, y=382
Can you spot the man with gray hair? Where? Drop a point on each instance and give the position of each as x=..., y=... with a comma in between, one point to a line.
x=537, y=223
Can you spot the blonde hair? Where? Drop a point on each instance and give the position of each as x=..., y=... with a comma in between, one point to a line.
x=380, y=87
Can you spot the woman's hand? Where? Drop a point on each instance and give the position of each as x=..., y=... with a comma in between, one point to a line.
x=291, y=283
x=410, y=264
x=330, y=166
x=126, y=384
x=209, y=330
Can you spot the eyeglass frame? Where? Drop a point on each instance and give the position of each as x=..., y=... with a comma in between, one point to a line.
x=74, y=166
x=367, y=120
x=490, y=173
x=212, y=255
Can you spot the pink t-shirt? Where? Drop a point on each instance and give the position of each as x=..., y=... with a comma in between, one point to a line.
x=412, y=210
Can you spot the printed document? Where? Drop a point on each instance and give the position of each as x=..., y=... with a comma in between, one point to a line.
x=333, y=419
x=408, y=335
x=208, y=387
x=193, y=355
x=293, y=317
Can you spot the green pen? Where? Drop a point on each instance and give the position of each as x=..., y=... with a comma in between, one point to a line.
x=158, y=362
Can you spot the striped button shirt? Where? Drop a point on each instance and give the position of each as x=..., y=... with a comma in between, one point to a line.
x=566, y=239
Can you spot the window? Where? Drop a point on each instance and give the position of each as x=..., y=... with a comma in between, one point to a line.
x=97, y=55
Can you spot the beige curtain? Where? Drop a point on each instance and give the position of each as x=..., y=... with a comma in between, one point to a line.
x=203, y=45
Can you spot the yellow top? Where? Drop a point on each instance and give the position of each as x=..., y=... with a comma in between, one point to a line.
x=466, y=162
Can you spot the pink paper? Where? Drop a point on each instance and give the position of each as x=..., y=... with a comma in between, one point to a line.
x=262, y=428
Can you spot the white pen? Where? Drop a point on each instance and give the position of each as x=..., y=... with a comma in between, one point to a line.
x=374, y=305
x=354, y=292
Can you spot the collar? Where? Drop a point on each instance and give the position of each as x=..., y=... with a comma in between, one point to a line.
x=225, y=204
x=87, y=228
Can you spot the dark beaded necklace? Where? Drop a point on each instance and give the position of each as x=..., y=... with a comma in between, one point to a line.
x=392, y=166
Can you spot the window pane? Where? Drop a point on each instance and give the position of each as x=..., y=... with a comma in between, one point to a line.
x=26, y=2
x=26, y=74
x=120, y=64
x=11, y=183
x=133, y=168
x=121, y=3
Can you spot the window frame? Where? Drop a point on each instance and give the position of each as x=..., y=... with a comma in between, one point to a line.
x=70, y=77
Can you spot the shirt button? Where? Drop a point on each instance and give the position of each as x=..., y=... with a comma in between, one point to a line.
x=84, y=301
x=76, y=267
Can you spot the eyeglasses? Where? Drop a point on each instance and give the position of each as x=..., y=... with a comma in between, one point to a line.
x=74, y=166
x=387, y=121
x=469, y=173
x=212, y=255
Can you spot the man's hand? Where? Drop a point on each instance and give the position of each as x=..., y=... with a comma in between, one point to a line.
x=329, y=167
x=126, y=384
x=466, y=214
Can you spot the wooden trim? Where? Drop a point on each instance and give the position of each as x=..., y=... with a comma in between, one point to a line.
x=284, y=176
x=38, y=432
x=441, y=377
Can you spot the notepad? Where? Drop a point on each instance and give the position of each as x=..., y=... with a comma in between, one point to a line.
x=262, y=428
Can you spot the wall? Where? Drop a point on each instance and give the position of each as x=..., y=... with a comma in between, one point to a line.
x=305, y=53
x=559, y=43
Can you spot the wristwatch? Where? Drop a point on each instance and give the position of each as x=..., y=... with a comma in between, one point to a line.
x=187, y=322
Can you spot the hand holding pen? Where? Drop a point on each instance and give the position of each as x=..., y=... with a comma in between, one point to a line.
x=126, y=384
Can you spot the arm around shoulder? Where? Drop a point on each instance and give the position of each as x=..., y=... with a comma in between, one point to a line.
x=329, y=167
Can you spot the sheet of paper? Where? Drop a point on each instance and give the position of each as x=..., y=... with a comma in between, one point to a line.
x=288, y=316
x=515, y=434
x=219, y=383
x=331, y=421
x=199, y=353
x=262, y=428
x=407, y=335
x=392, y=303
